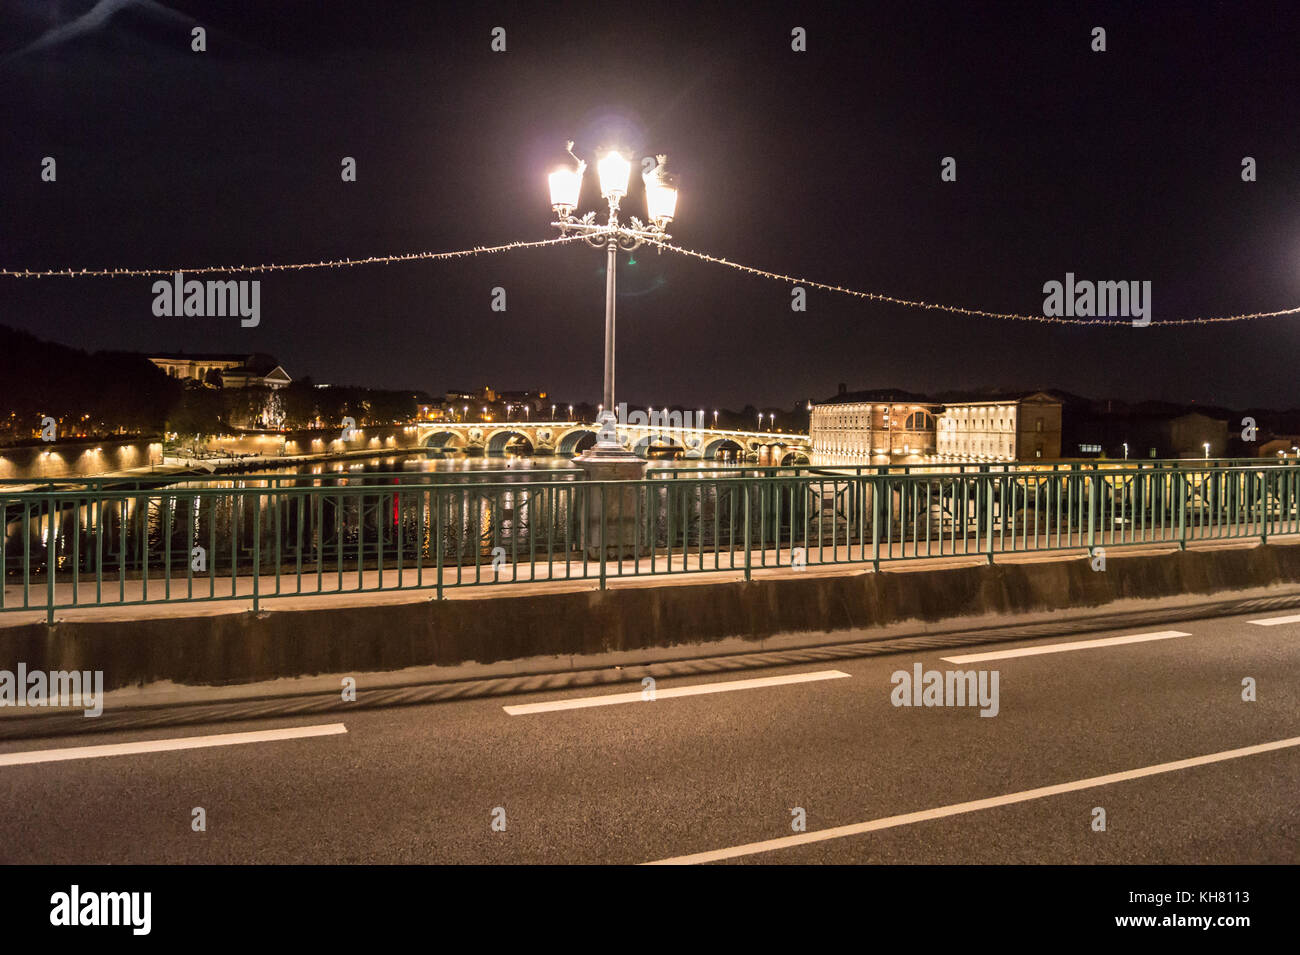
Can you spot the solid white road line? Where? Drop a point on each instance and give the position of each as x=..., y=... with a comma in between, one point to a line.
x=890, y=822
x=610, y=699
x=1061, y=647
x=1276, y=621
x=163, y=745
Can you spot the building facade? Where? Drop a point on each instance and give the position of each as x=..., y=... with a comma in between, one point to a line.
x=1023, y=428
x=233, y=370
x=872, y=425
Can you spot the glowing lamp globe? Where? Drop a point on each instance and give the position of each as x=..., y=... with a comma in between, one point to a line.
x=565, y=186
x=614, y=172
x=660, y=192
x=660, y=201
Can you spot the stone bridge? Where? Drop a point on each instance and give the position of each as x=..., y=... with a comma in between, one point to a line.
x=568, y=438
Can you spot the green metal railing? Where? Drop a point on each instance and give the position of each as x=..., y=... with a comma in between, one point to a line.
x=257, y=538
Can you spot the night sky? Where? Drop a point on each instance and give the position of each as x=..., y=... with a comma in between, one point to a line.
x=1123, y=165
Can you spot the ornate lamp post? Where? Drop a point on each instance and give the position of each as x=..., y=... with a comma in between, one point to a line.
x=613, y=236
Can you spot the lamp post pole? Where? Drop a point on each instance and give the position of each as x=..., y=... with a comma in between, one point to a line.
x=611, y=261
x=613, y=237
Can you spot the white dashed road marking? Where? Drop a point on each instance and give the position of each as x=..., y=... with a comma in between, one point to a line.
x=1062, y=647
x=609, y=699
x=890, y=822
x=164, y=745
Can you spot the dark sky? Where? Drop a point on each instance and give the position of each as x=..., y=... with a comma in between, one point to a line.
x=1120, y=165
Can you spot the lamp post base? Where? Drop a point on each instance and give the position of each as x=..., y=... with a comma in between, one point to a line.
x=607, y=450
x=611, y=510
x=611, y=454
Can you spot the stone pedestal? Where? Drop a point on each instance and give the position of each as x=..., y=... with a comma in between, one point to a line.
x=609, y=521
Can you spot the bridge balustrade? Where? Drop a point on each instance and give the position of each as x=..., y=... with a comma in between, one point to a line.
x=257, y=539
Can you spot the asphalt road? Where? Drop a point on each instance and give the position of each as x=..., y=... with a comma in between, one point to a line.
x=659, y=779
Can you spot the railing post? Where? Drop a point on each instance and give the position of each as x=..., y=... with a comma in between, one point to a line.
x=435, y=499
x=875, y=522
x=1184, y=498
x=748, y=561
x=51, y=561
x=257, y=550
x=1284, y=498
x=1263, y=506
x=860, y=494
x=988, y=517
x=1092, y=512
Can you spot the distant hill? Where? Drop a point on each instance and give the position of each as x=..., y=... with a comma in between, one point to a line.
x=114, y=389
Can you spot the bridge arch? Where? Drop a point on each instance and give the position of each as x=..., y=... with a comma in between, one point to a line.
x=715, y=447
x=444, y=441
x=641, y=446
x=575, y=441
x=497, y=442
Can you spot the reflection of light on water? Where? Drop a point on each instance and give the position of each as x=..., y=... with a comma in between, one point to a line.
x=471, y=522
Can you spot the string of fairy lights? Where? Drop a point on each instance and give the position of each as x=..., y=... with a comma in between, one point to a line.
x=958, y=310
x=690, y=253
x=281, y=267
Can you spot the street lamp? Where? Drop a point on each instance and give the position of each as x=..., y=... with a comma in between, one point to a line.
x=715, y=419
x=613, y=170
x=1206, y=445
x=552, y=412
x=570, y=412
x=1125, y=450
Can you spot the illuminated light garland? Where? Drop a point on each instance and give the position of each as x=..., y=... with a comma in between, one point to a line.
x=293, y=267
x=957, y=310
x=563, y=240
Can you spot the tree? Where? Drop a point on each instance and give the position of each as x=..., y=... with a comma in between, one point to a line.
x=197, y=415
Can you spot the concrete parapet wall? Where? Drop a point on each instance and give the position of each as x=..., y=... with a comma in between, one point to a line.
x=232, y=648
